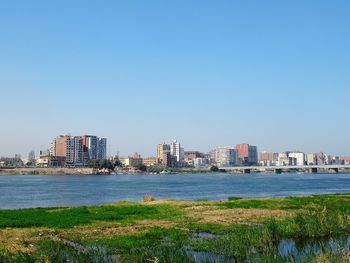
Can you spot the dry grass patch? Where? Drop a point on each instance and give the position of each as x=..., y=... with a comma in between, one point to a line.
x=102, y=230
x=205, y=214
x=21, y=239
x=148, y=198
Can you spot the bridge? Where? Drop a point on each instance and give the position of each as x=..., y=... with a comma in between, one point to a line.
x=288, y=168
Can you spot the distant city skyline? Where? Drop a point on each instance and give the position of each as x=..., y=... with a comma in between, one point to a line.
x=274, y=74
x=158, y=152
x=91, y=151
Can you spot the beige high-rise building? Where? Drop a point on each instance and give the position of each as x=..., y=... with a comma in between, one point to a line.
x=311, y=159
x=162, y=149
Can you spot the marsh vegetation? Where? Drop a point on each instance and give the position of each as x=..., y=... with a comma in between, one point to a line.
x=291, y=229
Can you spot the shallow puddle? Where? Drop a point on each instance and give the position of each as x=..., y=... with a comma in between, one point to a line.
x=289, y=248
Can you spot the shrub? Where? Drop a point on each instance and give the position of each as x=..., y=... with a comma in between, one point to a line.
x=148, y=198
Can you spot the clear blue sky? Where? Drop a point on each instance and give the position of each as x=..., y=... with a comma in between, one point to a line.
x=271, y=73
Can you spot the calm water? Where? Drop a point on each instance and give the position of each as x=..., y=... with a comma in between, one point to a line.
x=25, y=191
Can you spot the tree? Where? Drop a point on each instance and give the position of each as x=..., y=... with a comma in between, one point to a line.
x=156, y=168
x=117, y=162
x=214, y=168
x=31, y=163
x=101, y=164
x=141, y=167
x=110, y=166
x=93, y=164
x=106, y=164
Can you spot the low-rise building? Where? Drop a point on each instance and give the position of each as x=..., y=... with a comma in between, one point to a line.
x=190, y=156
x=268, y=158
x=131, y=161
x=345, y=160
x=200, y=162
x=150, y=161
x=50, y=161
x=336, y=160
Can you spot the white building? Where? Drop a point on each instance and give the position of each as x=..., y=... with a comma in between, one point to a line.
x=52, y=149
x=177, y=152
x=200, y=162
x=299, y=156
x=285, y=160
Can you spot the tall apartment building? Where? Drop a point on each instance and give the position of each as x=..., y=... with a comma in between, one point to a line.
x=77, y=150
x=166, y=159
x=162, y=149
x=90, y=147
x=176, y=151
x=102, y=149
x=247, y=154
x=225, y=156
x=70, y=147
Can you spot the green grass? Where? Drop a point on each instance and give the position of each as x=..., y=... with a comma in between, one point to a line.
x=165, y=245
x=152, y=238
x=70, y=217
x=337, y=201
x=246, y=242
x=312, y=218
x=18, y=257
x=234, y=198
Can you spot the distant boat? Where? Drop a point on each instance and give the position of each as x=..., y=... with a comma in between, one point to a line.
x=165, y=172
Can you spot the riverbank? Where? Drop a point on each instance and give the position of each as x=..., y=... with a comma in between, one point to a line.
x=89, y=171
x=244, y=230
x=125, y=171
x=46, y=171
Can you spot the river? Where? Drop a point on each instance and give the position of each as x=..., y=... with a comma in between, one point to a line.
x=27, y=191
